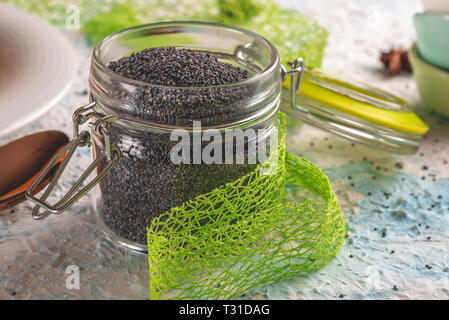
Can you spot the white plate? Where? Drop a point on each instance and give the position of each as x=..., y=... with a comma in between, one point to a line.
x=37, y=67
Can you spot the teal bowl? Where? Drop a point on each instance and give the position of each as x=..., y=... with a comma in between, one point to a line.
x=432, y=83
x=432, y=31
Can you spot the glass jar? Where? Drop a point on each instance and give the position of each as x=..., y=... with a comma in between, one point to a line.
x=136, y=126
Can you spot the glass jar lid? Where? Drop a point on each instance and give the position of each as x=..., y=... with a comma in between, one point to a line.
x=355, y=111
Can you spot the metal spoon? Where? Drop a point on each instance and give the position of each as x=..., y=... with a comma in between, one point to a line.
x=22, y=160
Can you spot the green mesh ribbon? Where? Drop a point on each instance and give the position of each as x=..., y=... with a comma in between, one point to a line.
x=294, y=34
x=257, y=229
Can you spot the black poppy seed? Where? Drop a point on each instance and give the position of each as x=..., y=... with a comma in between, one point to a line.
x=341, y=296
x=428, y=266
x=12, y=292
x=392, y=251
x=399, y=165
x=425, y=167
x=395, y=288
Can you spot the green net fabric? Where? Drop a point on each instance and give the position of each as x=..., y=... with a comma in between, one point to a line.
x=100, y=18
x=263, y=227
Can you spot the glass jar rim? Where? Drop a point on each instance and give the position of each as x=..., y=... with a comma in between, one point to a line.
x=274, y=54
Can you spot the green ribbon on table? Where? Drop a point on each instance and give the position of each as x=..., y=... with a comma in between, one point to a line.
x=294, y=34
x=258, y=229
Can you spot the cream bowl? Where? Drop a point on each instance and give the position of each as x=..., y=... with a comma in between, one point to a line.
x=439, y=6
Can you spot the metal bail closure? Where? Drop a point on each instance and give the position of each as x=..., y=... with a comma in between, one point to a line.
x=110, y=154
x=296, y=73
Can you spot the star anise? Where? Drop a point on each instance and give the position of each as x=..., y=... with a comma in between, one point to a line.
x=396, y=61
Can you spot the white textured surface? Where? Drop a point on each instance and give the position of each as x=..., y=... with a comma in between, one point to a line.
x=397, y=245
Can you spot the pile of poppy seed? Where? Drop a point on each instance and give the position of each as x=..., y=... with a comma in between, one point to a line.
x=145, y=183
x=179, y=86
x=169, y=66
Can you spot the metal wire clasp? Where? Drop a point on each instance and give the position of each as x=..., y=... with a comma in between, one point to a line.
x=296, y=73
x=110, y=154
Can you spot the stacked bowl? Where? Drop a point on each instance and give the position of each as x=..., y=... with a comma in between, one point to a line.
x=429, y=56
